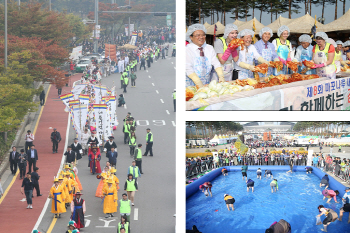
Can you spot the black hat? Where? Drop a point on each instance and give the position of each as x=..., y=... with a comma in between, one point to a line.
x=111, y=137
x=75, y=138
x=148, y=129
x=29, y=131
x=22, y=150
x=121, y=95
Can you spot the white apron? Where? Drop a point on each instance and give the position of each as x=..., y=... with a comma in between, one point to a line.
x=327, y=71
x=244, y=73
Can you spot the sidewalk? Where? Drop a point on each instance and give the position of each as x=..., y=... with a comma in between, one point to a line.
x=14, y=204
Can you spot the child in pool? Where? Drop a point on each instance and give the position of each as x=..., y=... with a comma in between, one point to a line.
x=224, y=172
x=308, y=170
x=330, y=194
x=229, y=200
x=244, y=171
x=250, y=185
x=268, y=173
x=258, y=173
x=274, y=184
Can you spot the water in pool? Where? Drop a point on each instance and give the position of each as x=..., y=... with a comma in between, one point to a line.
x=296, y=201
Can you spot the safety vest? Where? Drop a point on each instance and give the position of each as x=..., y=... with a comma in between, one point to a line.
x=126, y=80
x=224, y=43
x=125, y=207
x=325, y=50
x=130, y=185
x=127, y=68
x=126, y=226
x=278, y=42
x=174, y=95
x=126, y=128
x=139, y=153
x=132, y=141
x=130, y=171
x=151, y=137
x=174, y=47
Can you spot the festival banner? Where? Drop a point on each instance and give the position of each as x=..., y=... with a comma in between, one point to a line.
x=113, y=106
x=84, y=99
x=72, y=103
x=79, y=118
x=76, y=90
x=99, y=92
x=65, y=98
x=76, y=53
x=133, y=38
x=103, y=130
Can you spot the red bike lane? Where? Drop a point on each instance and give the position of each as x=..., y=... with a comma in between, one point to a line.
x=14, y=217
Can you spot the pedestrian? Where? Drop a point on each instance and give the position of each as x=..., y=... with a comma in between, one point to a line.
x=78, y=210
x=32, y=157
x=29, y=138
x=138, y=157
x=109, y=144
x=174, y=99
x=133, y=79
x=1, y=191
x=149, y=142
x=77, y=149
x=55, y=139
x=22, y=164
x=58, y=196
x=125, y=83
x=35, y=178
x=143, y=63
x=174, y=51
x=70, y=155
x=94, y=160
x=121, y=101
x=110, y=199
x=13, y=158
x=59, y=90
x=163, y=53
x=148, y=59
x=131, y=187
x=42, y=98
x=27, y=186
x=93, y=140
x=134, y=170
x=126, y=130
x=112, y=156
x=84, y=140
x=125, y=206
x=132, y=143
x=123, y=226
x=71, y=226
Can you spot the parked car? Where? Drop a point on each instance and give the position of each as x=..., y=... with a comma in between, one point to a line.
x=81, y=65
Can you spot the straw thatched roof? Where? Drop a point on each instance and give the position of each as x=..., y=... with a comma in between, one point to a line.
x=275, y=25
x=341, y=24
x=239, y=23
x=206, y=25
x=219, y=30
x=249, y=25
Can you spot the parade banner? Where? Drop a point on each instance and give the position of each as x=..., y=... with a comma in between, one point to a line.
x=321, y=94
x=76, y=53
x=79, y=118
x=99, y=92
x=84, y=99
x=133, y=38
x=72, y=103
x=113, y=91
x=65, y=98
x=103, y=126
x=76, y=90
x=113, y=106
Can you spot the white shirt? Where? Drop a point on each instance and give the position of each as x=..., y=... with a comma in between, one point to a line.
x=243, y=56
x=29, y=137
x=192, y=52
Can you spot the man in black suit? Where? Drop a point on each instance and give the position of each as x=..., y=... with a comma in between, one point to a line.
x=32, y=154
x=77, y=148
x=14, y=155
x=22, y=163
x=109, y=144
x=112, y=157
x=70, y=155
x=35, y=180
x=55, y=138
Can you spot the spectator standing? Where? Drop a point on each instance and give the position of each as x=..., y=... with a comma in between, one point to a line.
x=32, y=157
x=138, y=157
x=55, y=139
x=35, y=179
x=112, y=156
x=27, y=187
x=70, y=155
x=149, y=142
x=13, y=158
x=42, y=98
x=22, y=164
x=77, y=149
x=29, y=138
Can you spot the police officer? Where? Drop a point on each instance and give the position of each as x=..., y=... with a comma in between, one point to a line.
x=149, y=142
x=174, y=99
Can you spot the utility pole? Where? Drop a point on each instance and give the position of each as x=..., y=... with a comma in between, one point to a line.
x=50, y=5
x=96, y=23
x=129, y=21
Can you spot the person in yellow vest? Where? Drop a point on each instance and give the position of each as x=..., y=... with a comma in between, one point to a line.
x=110, y=199
x=229, y=200
x=123, y=226
x=132, y=143
x=125, y=206
x=227, y=56
x=131, y=187
x=134, y=170
x=338, y=60
x=126, y=130
x=174, y=99
x=57, y=195
x=149, y=142
x=138, y=157
x=283, y=48
x=125, y=83
x=323, y=57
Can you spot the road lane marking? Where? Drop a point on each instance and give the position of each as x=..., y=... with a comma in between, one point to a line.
x=172, y=62
x=173, y=123
x=106, y=223
x=161, y=100
x=157, y=91
x=125, y=106
x=167, y=111
x=48, y=199
x=174, y=67
x=34, y=131
x=152, y=84
x=149, y=76
x=136, y=213
x=147, y=71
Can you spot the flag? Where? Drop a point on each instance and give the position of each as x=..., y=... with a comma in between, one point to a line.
x=215, y=28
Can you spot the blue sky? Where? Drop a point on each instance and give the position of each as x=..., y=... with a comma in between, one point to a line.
x=315, y=10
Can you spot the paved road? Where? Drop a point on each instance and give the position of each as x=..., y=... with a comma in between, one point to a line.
x=150, y=103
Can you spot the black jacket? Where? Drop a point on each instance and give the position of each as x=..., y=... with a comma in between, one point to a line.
x=108, y=146
x=16, y=157
x=112, y=159
x=35, y=178
x=70, y=156
x=29, y=154
x=58, y=136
